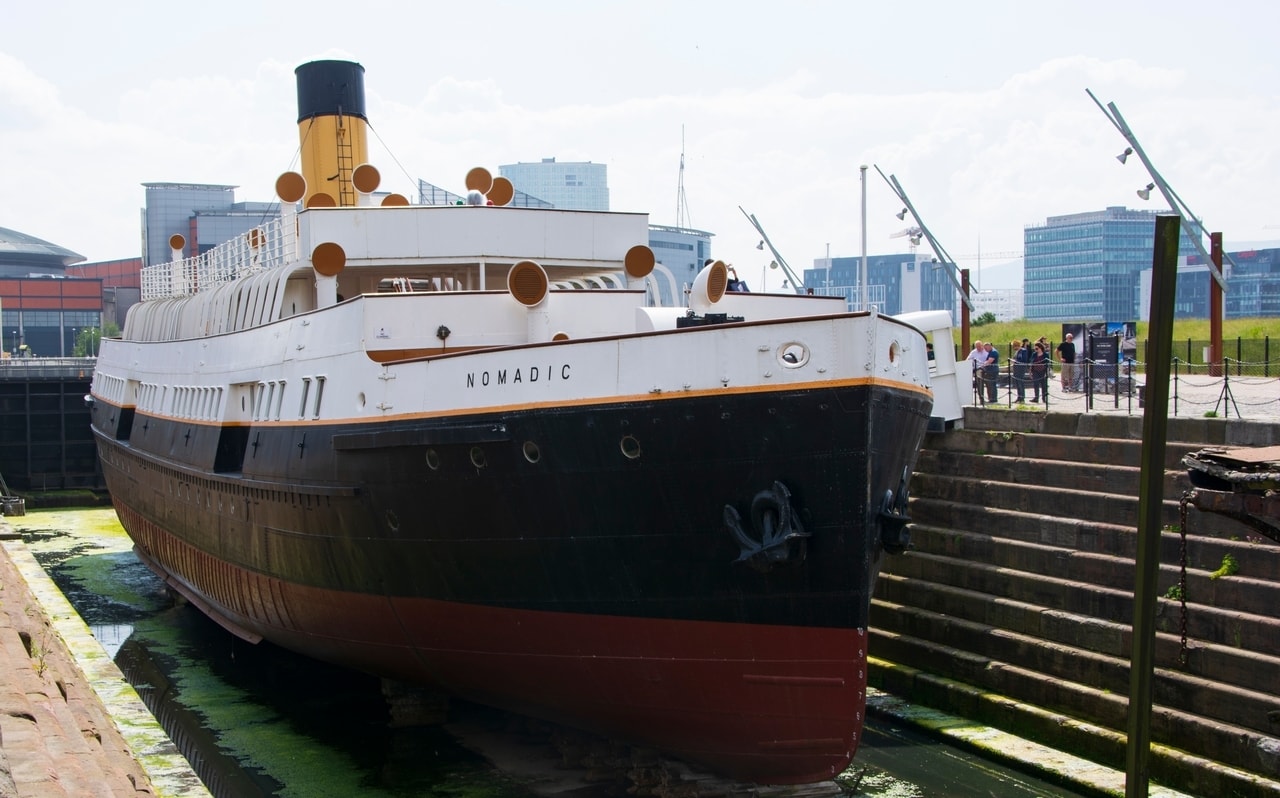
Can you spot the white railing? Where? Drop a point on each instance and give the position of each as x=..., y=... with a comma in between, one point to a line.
x=277, y=244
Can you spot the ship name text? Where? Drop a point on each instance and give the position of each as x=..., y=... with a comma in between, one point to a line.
x=518, y=376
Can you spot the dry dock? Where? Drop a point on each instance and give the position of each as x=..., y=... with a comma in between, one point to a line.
x=70, y=725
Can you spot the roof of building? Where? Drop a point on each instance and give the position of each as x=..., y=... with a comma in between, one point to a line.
x=21, y=249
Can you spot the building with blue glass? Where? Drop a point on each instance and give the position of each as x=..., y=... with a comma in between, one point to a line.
x=1253, y=286
x=899, y=283
x=1087, y=266
x=568, y=185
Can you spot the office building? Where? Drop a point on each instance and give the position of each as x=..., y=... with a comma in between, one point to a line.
x=1253, y=286
x=42, y=312
x=579, y=186
x=899, y=283
x=205, y=215
x=1087, y=266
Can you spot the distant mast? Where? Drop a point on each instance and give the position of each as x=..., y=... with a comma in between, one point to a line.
x=682, y=205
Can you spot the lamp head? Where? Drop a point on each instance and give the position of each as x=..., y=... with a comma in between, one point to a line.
x=1124, y=156
x=902, y=214
x=1145, y=193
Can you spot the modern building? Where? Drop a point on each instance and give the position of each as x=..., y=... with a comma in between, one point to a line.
x=899, y=283
x=682, y=250
x=1005, y=304
x=580, y=186
x=1253, y=286
x=205, y=215
x=1087, y=266
x=41, y=311
x=431, y=194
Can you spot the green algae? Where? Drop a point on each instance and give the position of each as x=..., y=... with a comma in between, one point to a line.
x=88, y=549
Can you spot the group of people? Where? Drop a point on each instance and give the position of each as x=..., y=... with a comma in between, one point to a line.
x=1030, y=364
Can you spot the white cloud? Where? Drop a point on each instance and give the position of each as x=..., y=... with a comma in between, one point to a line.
x=987, y=131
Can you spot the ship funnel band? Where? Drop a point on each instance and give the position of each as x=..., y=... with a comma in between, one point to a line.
x=772, y=535
x=330, y=88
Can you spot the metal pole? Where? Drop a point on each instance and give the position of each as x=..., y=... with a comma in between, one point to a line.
x=1155, y=425
x=862, y=274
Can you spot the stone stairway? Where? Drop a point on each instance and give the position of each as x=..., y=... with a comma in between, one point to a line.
x=1014, y=606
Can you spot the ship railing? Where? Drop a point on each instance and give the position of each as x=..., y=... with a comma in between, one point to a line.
x=45, y=368
x=264, y=247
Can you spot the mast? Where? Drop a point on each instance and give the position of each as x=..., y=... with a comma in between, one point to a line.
x=682, y=205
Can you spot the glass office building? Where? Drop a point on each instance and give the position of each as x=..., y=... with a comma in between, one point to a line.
x=574, y=186
x=1087, y=266
x=900, y=283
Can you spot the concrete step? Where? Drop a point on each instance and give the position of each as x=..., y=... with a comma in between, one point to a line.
x=1222, y=625
x=1204, y=697
x=1066, y=448
x=1242, y=668
x=1237, y=592
x=1255, y=557
x=1243, y=751
x=1198, y=431
x=1029, y=472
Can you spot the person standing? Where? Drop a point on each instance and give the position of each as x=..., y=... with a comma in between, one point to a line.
x=976, y=358
x=1040, y=373
x=991, y=373
x=1020, y=354
x=1067, y=354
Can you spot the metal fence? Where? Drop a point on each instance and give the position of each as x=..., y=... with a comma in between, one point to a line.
x=1231, y=388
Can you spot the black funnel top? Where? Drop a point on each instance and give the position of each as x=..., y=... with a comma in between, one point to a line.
x=329, y=88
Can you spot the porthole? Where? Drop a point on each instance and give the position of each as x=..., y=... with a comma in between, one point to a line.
x=630, y=447
x=793, y=355
x=360, y=401
x=531, y=452
x=895, y=352
x=433, y=459
x=477, y=457
x=393, y=521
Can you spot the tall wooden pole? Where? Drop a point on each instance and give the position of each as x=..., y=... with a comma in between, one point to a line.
x=1155, y=425
x=1215, y=308
x=964, y=313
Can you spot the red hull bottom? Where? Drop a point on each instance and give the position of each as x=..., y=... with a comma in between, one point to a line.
x=768, y=704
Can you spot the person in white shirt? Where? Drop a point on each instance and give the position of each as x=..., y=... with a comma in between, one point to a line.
x=977, y=357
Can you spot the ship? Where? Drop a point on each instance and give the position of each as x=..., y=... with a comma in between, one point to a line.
x=497, y=451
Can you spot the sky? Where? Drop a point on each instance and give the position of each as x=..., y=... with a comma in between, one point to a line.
x=978, y=109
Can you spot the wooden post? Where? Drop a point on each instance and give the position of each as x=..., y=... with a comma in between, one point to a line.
x=1155, y=425
x=964, y=313
x=1216, y=362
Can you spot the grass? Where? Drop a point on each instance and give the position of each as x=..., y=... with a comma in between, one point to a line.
x=1003, y=332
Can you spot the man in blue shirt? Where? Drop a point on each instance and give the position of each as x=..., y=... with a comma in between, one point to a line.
x=991, y=373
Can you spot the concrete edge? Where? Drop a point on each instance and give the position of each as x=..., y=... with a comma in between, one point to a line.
x=170, y=773
x=1007, y=748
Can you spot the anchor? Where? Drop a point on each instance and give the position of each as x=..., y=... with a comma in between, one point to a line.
x=894, y=535
x=776, y=534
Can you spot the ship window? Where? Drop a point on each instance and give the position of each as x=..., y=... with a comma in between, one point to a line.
x=306, y=391
x=279, y=401
x=267, y=403
x=259, y=391
x=319, y=394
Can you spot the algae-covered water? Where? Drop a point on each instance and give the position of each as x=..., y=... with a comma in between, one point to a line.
x=254, y=720
x=260, y=721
